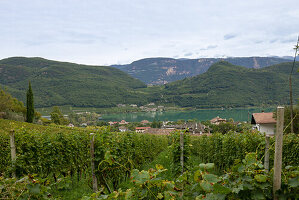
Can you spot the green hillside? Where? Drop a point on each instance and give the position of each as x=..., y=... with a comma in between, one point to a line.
x=229, y=85
x=223, y=85
x=62, y=83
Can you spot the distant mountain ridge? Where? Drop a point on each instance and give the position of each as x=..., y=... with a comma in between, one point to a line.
x=158, y=71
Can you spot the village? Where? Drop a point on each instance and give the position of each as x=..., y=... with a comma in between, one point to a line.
x=263, y=122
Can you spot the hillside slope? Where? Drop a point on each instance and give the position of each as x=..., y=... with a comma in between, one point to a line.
x=159, y=71
x=229, y=85
x=62, y=83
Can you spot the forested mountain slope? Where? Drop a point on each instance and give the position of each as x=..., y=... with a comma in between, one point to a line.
x=228, y=85
x=62, y=83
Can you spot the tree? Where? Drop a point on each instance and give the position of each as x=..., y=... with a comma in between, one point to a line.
x=156, y=124
x=295, y=119
x=224, y=127
x=57, y=116
x=5, y=101
x=290, y=84
x=30, y=105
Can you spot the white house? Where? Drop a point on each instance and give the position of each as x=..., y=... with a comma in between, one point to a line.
x=123, y=129
x=141, y=129
x=264, y=122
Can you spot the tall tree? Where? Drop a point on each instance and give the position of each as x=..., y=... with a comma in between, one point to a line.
x=290, y=84
x=30, y=105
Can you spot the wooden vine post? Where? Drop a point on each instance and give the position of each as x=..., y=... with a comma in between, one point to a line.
x=267, y=153
x=94, y=178
x=182, y=150
x=278, y=151
x=13, y=151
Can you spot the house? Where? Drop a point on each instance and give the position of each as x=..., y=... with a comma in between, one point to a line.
x=217, y=120
x=264, y=122
x=71, y=125
x=133, y=105
x=123, y=129
x=141, y=129
x=123, y=122
x=159, y=131
x=145, y=122
x=192, y=127
x=112, y=123
x=83, y=125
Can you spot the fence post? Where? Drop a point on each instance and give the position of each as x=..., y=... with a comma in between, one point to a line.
x=278, y=151
x=267, y=153
x=182, y=150
x=94, y=178
x=13, y=152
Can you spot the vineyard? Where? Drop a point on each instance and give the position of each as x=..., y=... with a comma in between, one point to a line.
x=53, y=162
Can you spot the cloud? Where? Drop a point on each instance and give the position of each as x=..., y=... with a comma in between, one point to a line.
x=288, y=41
x=188, y=54
x=97, y=32
x=209, y=47
x=229, y=36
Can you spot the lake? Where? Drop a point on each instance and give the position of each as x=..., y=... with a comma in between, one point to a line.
x=240, y=114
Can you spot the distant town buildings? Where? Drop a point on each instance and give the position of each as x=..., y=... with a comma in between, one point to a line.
x=123, y=129
x=123, y=122
x=145, y=122
x=141, y=129
x=217, y=120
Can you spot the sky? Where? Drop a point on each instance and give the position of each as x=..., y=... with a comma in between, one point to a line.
x=105, y=32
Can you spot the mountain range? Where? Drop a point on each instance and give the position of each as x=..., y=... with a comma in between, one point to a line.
x=222, y=85
x=158, y=71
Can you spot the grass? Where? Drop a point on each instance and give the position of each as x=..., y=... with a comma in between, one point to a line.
x=71, y=188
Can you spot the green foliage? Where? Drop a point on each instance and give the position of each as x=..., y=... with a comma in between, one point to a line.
x=224, y=127
x=176, y=151
x=223, y=150
x=245, y=180
x=91, y=119
x=29, y=187
x=145, y=185
x=287, y=119
x=57, y=116
x=29, y=105
x=156, y=124
x=290, y=183
x=8, y=105
x=48, y=150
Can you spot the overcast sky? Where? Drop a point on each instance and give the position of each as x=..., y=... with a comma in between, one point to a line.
x=105, y=32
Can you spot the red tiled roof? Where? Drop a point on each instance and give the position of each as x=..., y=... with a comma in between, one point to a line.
x=217, y=119
x=142, y=128
x=264, y=118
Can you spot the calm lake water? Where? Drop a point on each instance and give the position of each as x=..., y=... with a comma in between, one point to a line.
x=202, y=115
